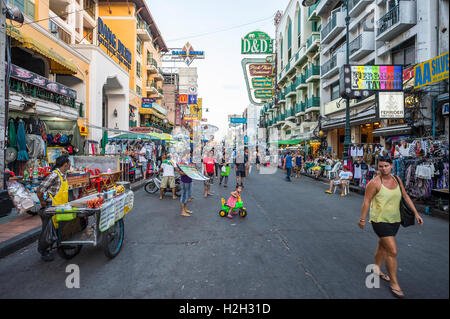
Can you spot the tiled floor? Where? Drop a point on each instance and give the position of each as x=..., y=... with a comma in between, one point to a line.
x=18, y=226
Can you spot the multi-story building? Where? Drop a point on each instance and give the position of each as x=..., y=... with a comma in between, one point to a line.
x=295, y=112
x=139, y=49
x=49, y=78
x=170, y=99
x=401, y=32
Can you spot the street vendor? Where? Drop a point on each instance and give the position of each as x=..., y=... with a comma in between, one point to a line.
x=57, y=188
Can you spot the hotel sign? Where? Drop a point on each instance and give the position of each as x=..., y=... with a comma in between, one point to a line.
x=257, y=42
x=187, y=54
x=113, y=45
x=258, y=73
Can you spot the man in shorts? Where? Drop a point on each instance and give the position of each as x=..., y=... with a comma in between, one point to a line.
x=240, y=171
x=168, y=181
x=344, y=179
x=209, y=167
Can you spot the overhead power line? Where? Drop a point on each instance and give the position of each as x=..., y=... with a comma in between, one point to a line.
x=218, y=31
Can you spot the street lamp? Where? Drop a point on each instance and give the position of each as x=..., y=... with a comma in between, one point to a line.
x=347, y=141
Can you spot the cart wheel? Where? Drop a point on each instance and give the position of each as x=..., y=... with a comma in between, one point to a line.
x=222, y=213
x=68, y=251
x=243, y=212
x=151, y=187
x=113, y=239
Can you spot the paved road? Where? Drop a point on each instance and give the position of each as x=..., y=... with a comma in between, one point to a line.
x=297, y=242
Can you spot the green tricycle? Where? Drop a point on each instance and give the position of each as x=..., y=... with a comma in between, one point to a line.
x=239, y=209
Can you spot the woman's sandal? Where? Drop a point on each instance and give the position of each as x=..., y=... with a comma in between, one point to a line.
x=384, y=277
x=396, y=291
x=229, y=216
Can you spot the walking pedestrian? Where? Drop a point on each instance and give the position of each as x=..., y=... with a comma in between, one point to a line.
x=383, y=196
x=209, y=166
x=258, y=159
x=298, y=164
x=288, y=166
x=240, y=171
x=186, y=192
x=247, y=163
x=224, y=171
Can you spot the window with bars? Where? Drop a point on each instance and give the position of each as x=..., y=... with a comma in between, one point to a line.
x=138, y=46
x=138, y=69
x=27, y=7
x=59, y=32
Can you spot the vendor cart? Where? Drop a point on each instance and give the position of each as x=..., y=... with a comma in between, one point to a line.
x=78, y=225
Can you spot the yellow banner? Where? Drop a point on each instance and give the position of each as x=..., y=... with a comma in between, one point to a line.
x=431, y=71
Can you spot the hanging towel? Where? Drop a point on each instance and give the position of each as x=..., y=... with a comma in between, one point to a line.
x=22, y=155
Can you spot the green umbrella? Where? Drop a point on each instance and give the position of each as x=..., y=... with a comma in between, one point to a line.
x=76, y=140
x=104, y=141
x=12, y=134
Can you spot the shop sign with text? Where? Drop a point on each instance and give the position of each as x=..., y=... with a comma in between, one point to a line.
x=391, y=105
x=257, y=42
x=377, y=77
x=431, y=71
x=113, y=45
x=183, y=99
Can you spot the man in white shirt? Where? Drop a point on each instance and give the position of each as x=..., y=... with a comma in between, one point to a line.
x=344, y=179
x=143, y=159
x=168, y=180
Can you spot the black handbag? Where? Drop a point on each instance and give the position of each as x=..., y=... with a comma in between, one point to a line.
x=407, y=216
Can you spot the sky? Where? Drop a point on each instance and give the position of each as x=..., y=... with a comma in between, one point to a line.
x=221, y=81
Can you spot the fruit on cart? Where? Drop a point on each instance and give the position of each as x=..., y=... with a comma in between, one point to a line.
x=119, y=189
x=95, y=203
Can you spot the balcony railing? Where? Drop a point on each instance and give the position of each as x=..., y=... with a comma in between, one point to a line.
x=301, y=79
x=329, y=26
x=312, y=39
x=312, y=70
x=290, y=112
x=329, y=65
x=388, y=20
x=312, y=102
x=44, y=94
x=355, y=45
x=89, y=7
x=281, y=96
x=300, y=107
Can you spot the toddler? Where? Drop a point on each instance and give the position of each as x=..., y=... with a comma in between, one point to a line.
x=233, y=199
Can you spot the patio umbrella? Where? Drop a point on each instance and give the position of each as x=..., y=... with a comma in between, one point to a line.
x=12, y=134
x=104, y=141
x=22, y=155
x=76, y=140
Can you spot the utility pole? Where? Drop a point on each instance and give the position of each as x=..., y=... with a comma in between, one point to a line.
x=2, y=94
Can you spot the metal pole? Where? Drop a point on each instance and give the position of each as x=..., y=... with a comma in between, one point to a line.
x=3, y=118
x=347, y=141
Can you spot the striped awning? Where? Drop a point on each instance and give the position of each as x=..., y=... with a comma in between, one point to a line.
x=58, y=64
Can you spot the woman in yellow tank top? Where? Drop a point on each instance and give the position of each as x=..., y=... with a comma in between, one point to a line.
x=383, y=196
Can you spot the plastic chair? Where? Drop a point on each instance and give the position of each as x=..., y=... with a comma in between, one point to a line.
x=333, y=173
x=346, y=188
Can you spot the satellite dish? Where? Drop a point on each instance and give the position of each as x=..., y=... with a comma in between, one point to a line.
x=13, y=13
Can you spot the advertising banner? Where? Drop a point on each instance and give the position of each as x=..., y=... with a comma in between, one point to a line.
x=377, y=77
x=431, y=71
x=37, y=80
x=147, y=102
x=391, y=105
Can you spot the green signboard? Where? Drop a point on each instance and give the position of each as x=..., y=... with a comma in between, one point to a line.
x=257, y=42
x=262, y=83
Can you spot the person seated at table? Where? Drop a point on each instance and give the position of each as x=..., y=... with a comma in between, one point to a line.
x=344, y=179
x=320, y=164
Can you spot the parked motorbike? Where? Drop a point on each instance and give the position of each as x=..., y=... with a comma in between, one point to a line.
x=153, y=186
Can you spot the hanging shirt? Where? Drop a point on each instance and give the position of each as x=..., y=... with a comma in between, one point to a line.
x=358, y=171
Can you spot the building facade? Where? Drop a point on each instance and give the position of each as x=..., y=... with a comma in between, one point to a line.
x=400, y=32
x=296, y=110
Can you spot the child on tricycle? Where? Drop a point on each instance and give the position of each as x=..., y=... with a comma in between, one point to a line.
x=234, y=205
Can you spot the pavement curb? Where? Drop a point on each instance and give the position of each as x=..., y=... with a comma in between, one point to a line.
x=16, y=243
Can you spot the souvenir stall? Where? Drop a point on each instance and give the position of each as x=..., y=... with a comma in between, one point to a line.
x=34, y=142
x=421, y=163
